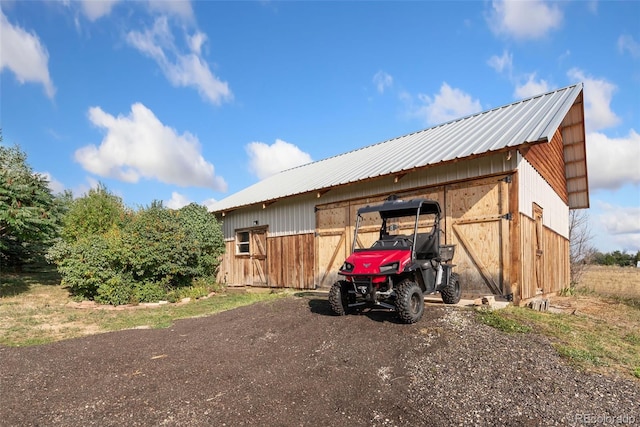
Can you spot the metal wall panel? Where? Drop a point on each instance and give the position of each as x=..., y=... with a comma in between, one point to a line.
x=534, y=189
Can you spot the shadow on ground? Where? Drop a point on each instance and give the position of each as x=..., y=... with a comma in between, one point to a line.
x=321, y=306
x=16, y=283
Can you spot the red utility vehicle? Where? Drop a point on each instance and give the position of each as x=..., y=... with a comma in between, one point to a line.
x=398, y=269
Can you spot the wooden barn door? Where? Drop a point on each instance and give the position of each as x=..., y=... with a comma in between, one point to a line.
x=333, y=244
x=477, y=221
x=259, y=257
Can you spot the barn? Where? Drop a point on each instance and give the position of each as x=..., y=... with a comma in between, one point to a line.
x=505, y=178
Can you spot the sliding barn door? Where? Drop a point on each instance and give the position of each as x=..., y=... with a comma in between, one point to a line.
x=477, y=222
x=333, y=242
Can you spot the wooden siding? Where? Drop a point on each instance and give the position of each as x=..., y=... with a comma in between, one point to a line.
x=235, y=269
x=553, y=273
x=291, y=261
x=282, y=262
x=548, y=160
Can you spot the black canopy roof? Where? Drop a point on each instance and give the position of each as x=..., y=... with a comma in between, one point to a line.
x=397, y=208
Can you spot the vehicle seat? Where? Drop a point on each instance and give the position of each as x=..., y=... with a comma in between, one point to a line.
x=427, y=246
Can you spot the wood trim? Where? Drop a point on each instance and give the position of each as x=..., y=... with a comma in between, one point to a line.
x=505, y=208
x=514, y=233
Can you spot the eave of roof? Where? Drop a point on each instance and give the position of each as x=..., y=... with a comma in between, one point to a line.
x=530, y=121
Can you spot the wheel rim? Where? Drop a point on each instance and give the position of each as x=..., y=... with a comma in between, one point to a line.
x=414, y=302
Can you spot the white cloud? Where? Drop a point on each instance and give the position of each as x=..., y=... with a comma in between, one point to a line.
x=597, y=99
x=24, y=55
x=622, y=225
x=208, y=203
x=54, y=185
x=592, y=6
x=502, y=63
x=532, y=87
x=182, y=69
x=613, y=162
x=196, y=41
x=180, y=8
x=95, y=10
x=382, y=81
x=627, y=43
x=140, y=146
x=449, y=104
x=82, y=189
x=177, y=201
x=531, y=19
x=266, y=160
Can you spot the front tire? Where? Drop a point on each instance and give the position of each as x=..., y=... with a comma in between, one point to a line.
x=339, y=298
x=452, y=292
x=409, y=302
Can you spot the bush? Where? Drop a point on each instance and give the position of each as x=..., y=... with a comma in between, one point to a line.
x=121, y=257
x=206, y=238
x=87, y=264
x=118, y=290
x=95, y=213
x=158, y=248
x=149, y=292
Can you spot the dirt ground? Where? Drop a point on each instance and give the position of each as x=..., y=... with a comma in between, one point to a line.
x=291, y=363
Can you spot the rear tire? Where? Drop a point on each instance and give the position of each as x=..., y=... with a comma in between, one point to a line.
x=409, y=302
x=452, y=292
x=339, y=298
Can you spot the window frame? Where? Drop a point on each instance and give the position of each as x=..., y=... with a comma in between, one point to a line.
x=241, y=244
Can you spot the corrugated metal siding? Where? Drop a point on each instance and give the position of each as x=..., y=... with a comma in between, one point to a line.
x=287, y=217
x=534, y=189
x=296, y=215
x=532, y=120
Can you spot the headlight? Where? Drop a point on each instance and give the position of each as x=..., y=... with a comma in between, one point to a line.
x=346, y=267
x=389, y=267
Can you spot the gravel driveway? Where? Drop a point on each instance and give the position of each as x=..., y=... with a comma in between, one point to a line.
x=290, y=363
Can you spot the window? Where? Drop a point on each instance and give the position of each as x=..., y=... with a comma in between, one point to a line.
x=242, y=243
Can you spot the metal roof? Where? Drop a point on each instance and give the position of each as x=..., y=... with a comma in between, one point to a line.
x=532, y=120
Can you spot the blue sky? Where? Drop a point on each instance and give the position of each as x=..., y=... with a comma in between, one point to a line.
x=192, y=101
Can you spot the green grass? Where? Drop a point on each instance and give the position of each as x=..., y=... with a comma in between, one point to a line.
x=502, y=323
x=35, y=309
x=164, y=316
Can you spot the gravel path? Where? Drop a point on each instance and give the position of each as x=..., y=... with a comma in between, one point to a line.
x=290, y=363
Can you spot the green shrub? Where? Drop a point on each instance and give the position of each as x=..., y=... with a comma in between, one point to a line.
x=118, y=290
x=205, y=238
x=158, y=248
x=93, y=214
x=118, y=257
x=149, y=292
x=86, y=264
